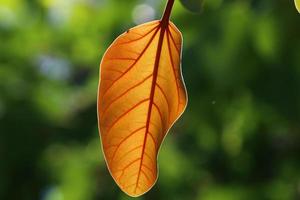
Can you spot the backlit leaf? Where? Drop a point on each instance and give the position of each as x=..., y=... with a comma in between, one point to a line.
x=141, y=94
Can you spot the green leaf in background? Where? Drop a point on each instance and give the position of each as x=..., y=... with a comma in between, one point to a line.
x=193, y=5
x=297, y=3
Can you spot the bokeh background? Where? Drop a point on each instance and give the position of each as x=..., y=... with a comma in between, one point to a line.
x=239, y=138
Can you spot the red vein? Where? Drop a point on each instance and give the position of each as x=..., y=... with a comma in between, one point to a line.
x=137, y=39
x=123, y=140
x=153, y=174
x=162, y=77
x=135, y=33
x=148, y=179
x=120, y=117
x=173, y=40
x=123, y=170
x=152, y=92
x=112, y=59
x=131, y=150
x=165, y=97
x=156, y=126
x=107, y=79
x=134, y=63
x=173, y=28
x=114, y=70
x=128, y=165
x=150, y=158
x=132, y=51
x=124, y=93
x=173, y=68
x=128, y=186
x=123, y=184
x=160, y=115
x=151, y=135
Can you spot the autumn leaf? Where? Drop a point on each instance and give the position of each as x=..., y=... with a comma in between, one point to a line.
x=141, y=94
x=297, y=3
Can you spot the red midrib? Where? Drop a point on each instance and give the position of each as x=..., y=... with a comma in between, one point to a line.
x=164, y=23
x=152, y=92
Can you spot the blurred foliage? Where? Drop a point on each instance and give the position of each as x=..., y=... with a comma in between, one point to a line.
x=239, y=138
x=193, y=5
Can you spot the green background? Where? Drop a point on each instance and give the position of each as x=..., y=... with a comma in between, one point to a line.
x=239, y=138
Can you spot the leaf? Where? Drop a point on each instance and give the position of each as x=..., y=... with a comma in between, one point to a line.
x=141, y=94
x=193, y=5
x=297, y=3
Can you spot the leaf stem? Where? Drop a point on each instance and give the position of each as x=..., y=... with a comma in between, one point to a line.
x=166, y=17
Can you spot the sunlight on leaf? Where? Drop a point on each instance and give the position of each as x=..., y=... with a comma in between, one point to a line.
x=141, y=94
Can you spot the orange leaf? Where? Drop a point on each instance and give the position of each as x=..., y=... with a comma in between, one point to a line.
x=141, y=94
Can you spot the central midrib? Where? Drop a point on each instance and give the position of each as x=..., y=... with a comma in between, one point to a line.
x=152, y=92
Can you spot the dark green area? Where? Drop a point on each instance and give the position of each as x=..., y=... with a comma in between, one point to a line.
x=239, y=138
